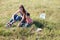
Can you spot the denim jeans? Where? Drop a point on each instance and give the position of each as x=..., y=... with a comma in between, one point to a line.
x=18, y=18
x=15, y=18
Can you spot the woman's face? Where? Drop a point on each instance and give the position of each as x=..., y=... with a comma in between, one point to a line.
x=21, y=9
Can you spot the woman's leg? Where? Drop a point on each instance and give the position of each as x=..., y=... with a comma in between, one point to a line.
x=13, y=20
x=10, y=23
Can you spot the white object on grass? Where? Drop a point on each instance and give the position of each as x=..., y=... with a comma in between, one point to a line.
x=38, y=30
x=42, y=15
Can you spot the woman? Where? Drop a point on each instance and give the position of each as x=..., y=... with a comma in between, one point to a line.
x=20, y=18
x=26, y=20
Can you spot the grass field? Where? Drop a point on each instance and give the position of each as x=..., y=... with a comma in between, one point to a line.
x=51, y=25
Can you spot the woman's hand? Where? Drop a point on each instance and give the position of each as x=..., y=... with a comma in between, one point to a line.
x=19, y=24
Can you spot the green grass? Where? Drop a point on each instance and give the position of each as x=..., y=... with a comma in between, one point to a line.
x=50, y=26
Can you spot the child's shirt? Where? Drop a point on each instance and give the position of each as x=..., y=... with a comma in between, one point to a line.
x=29, y=20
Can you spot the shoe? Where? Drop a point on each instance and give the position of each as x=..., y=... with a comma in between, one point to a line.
x=8, y=25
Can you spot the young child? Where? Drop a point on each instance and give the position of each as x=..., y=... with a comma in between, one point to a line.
x=28, y=19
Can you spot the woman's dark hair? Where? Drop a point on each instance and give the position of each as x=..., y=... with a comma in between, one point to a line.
x=21, y=6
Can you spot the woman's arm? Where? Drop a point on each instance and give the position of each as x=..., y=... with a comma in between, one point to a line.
x=21, y=21
x=15, y=13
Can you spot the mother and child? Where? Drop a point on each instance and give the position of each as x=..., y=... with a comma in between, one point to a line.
x=24, y=17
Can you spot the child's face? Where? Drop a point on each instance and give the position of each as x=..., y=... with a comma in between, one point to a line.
x=28, y=16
